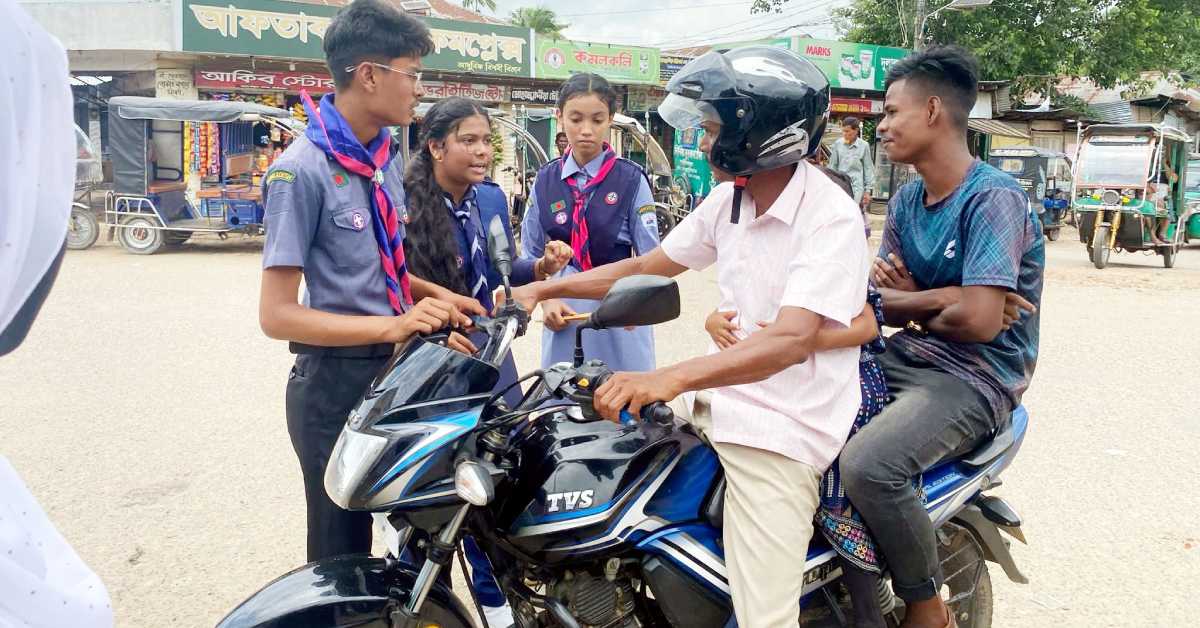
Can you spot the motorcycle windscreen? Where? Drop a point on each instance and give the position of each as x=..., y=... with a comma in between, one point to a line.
x=423, y=380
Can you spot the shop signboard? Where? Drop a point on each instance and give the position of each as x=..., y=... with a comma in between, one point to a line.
x=643, y=98
x=691, y=164
x=850, y=65
x=559, y=59
x=233, y=80
x=845, y=64
x=855, y=106
x=670, y=65
x=474, y=91
x=292, y=30
x=473, y=48
x=174, y=84
x=533, y=95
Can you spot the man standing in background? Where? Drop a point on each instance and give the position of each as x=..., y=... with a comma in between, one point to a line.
x=852, y=157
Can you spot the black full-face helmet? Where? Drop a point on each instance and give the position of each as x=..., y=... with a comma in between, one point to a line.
x=772, y=106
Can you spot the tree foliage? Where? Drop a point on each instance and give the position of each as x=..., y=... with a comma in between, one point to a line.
x=479, y=5
x=543, y=21
x=1031, y=41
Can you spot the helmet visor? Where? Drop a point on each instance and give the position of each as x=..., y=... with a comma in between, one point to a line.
x=686, y=113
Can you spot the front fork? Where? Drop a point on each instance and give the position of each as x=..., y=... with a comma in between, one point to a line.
x=438, y=554
x=1112, y=232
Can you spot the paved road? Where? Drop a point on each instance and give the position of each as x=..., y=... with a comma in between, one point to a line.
x=146, y=413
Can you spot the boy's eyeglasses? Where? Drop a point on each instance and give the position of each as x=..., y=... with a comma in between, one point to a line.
x=415, y=75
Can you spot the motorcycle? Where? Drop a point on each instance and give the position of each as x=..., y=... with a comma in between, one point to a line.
x=586, y=522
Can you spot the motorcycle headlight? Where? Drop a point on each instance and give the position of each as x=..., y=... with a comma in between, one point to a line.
x=473, y=483
x=353, y=455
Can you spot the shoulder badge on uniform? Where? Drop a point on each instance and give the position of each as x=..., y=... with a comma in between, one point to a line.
x=646, y=209
x=279, y=174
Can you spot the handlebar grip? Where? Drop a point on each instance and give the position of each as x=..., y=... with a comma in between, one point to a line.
x=658, y=413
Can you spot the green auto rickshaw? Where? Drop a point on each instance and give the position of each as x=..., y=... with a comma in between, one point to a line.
x=1191, y=195
x=1128, y=191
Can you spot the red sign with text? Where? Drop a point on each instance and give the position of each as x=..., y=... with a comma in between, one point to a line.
x=852, y=105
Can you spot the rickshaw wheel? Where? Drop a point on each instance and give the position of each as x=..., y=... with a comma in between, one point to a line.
x=1052, y=235
x=83, y=229
x=1100, y=253
x=1168, y=256
x=138, y=236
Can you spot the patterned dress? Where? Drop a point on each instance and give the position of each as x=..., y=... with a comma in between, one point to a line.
x=836, y=518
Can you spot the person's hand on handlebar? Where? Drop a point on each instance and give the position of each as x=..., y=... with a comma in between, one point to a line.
x=632, y=391
x=426, y=317
x=466, y=305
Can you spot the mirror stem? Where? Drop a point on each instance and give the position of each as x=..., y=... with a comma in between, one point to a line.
x=579, y=344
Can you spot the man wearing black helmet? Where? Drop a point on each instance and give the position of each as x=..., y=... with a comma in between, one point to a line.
x=791, y=262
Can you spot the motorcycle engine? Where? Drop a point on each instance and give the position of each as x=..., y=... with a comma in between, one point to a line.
x=598, y=602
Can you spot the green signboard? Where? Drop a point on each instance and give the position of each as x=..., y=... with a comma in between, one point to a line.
x=559, y=59
x=291, y=30
x=473, y=48
x=845, y=64
x=691, y=164
x=850, y=65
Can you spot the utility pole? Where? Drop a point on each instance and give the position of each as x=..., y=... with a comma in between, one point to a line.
x=919, y=26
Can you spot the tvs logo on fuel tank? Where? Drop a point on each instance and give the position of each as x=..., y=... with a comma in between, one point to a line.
x=570, y=500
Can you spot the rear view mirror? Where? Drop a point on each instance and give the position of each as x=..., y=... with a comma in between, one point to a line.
x=498, y=247
x=636, y=301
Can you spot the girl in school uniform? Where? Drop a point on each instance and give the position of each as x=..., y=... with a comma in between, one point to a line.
x=601, y=206
x=450, y=204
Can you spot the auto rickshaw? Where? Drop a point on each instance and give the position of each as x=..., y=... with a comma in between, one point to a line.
x=1191, y=195
x=83, y=228
x=152, y=203
x=1045, y=175
x=1129, y=180
x=670, y=198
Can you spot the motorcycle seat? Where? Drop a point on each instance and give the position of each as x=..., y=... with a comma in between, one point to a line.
x=990, y=450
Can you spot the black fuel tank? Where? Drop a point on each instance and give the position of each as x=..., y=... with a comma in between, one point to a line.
x=579, y=483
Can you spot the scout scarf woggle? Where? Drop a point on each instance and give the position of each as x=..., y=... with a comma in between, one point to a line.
x=581, y=195
x=330, y=132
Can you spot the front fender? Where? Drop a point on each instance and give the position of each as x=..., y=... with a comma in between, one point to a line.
x=343, y=592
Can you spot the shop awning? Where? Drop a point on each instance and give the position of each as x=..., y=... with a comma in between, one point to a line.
x=995, y=127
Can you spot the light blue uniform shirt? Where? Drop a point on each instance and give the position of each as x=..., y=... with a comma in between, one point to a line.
x=621, y=350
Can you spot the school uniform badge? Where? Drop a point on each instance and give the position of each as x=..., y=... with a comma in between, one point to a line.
x=340, y=179
x=558, y=206
x=560, y=218
x=611, y=199
x=358, y=220
x=459, y=259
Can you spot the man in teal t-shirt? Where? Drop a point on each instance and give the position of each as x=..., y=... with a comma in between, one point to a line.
x=960, y=268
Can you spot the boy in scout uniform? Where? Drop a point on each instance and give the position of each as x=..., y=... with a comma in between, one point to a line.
x=335, y=217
